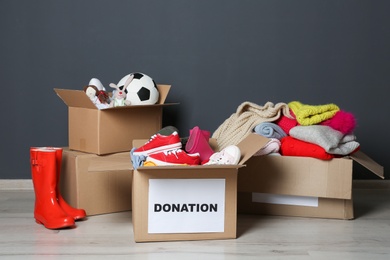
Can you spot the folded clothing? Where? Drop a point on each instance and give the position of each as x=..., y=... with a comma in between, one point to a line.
x=333, y=141
x=286, y=123
x=342, y=121
x=270, y=130
x=294, y=147
x=311, y=115
x=346, y=146
x=137, y=160
x=272, y=147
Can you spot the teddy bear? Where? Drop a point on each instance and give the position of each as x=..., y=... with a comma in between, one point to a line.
x=99, y=97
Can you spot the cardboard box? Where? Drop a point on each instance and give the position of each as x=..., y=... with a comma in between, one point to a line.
x=188, y=202
x=97, y=184
x=300, y=186
x=109, y=130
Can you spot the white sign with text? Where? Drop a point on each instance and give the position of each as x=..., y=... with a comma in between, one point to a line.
x=186, y=205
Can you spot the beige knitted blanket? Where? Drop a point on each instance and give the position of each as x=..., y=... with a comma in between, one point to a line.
x=242, y=122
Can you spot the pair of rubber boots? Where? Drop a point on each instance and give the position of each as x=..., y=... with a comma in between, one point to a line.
x=50, y=210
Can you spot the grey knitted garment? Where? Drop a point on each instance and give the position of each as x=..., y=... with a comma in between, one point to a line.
x=333, y=141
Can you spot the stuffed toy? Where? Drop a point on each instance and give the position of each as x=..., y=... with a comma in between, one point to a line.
x=99, y=97
x=103, y=97
x=119, y=94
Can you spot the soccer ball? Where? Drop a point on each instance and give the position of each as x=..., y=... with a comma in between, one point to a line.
x=142, y=90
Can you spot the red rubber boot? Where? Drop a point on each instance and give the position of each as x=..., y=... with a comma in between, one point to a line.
x=47, y=211
x=77, y=214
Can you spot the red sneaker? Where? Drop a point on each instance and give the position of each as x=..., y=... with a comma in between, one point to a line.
x=159, y=143
x=173, y=157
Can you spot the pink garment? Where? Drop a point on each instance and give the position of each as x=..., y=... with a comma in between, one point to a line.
x=272, y=146
x=198, y=142
x=342, y=121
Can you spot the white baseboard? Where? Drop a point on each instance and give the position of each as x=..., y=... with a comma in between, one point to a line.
x=16, y=184
x=21, y=184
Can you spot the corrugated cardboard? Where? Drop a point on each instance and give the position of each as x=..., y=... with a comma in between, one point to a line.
x=141, y=192
x=109, y=130
x=98, y=184
x=280, y=180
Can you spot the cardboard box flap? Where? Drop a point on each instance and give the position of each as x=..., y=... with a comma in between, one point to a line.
x=250, y=145
x=111, y=162
x=78, y=98
x=102, y=163
x=368, y=163
x=163, y=90
x=75, y=98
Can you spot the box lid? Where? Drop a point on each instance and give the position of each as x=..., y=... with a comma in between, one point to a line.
x=250, y=145
x=368, y=163
x=78, y=98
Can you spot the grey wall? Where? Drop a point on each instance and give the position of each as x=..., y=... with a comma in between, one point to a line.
x=216, y=55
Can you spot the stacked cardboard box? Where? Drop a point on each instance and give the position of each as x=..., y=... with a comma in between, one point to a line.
x=97, y=170
x=99, y=184
x=111, y=130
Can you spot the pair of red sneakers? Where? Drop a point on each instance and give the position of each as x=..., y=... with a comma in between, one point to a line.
x=166, y=150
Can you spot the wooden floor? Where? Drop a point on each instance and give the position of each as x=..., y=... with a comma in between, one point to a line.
x=264, y=237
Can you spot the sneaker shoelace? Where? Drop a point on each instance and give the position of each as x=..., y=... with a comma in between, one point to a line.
x=151, y=138
x=173, y=152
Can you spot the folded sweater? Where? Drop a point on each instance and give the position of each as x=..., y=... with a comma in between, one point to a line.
x=269, y=130
x=333, y=141
x=294, y=147
x=311, y=115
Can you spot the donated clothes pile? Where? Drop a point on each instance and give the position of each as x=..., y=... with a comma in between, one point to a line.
x=294, y=129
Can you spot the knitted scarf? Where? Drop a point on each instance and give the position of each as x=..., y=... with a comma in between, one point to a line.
x=240, y=124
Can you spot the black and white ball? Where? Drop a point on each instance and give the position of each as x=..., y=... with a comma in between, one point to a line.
x=142, y=90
